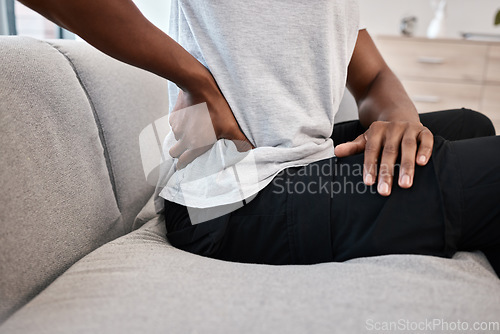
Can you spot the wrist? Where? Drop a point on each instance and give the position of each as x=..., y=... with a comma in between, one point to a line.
x=408, y=114
x=197, y=80
x=200, y=87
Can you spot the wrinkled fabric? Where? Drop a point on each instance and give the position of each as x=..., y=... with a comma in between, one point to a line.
x=282, y=66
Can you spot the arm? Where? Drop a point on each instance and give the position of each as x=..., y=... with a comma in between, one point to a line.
x=390, y=116
x=118, y=28
x=378, y=92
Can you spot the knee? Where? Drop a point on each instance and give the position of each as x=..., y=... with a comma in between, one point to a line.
x=479, y=124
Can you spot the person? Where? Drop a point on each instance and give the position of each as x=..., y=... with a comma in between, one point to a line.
x=271, y=76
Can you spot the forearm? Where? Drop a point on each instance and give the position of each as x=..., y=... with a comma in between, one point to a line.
x=386, y=100
x=118, y=28
x=393, y=125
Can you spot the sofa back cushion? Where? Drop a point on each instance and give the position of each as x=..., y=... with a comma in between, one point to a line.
x=125, y=101
x=70, y=168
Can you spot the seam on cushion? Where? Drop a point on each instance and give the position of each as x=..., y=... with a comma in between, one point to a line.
x=98, y=124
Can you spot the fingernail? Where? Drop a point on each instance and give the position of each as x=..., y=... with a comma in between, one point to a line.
x=383, y=188
x=406, y=180
x=422, y=159
x=368, y=179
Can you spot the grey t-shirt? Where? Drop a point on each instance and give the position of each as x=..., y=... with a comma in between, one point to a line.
x=282, y=66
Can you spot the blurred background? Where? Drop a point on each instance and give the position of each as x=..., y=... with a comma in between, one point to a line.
x=446, y=52
x=17, y=19
x=382, y=17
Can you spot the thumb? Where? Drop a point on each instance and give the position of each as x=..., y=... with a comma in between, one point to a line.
x=350, y=148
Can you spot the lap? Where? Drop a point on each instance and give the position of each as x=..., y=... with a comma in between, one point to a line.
x=296, y=219
x=323, y=212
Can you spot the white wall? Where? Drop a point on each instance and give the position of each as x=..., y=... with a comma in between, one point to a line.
x=157, y=11
x=384, y=16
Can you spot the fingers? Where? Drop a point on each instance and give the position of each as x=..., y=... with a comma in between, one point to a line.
x=408, y=153
x=354, y=147
x=177, y=149
x=426, y=140
x=175, y=120
x=198, y=121
x=189, y=155
x=374, y=140
x=387, y=141
x=390, y=153
x=192, y=128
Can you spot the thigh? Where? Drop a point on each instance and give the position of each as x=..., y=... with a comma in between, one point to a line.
x=287, y=223
x=457, y=124
x=255, y=233
x=409, y=221
x=476, y=162
x=470, y=180
x=324, y=212
x=453, y=205
x=258, y=232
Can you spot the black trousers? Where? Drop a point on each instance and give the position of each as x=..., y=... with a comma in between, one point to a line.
x=323, y=212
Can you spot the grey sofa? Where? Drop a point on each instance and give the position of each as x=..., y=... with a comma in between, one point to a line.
x=83, y=251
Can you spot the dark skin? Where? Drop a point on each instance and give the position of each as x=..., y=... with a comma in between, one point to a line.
x=392, y=120
x=118, y=28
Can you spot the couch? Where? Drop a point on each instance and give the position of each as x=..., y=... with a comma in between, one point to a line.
x=82, y=249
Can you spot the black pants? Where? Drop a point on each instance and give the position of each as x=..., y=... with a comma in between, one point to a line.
x=323, y=212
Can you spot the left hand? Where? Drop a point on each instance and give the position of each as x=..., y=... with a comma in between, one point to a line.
x=386, y=140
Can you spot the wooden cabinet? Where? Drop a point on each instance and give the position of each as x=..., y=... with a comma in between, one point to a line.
x=447, y=74
x=493, y=68
x=432, y=96
x=490, y=104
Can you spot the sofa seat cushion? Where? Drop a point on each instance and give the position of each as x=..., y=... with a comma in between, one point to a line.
x=141, y=284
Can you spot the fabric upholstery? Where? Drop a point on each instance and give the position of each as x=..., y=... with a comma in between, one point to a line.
x=71, y=169
x=72, y=180
x=140, y=284
x=125, y=100
x=57, y=203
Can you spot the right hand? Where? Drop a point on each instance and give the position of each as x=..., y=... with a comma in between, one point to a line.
x=195, y=132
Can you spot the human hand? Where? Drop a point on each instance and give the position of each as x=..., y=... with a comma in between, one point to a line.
x=386, y=140
x=198, y=120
